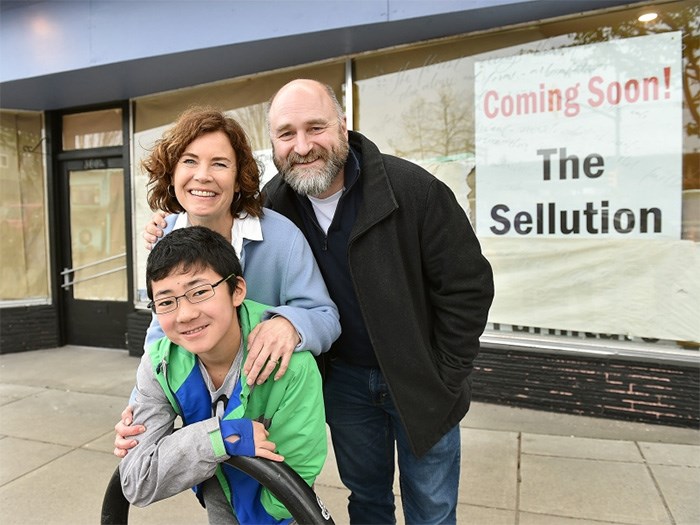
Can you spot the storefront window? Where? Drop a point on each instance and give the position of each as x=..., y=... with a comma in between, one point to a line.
x=23, y=248
x=573, y=147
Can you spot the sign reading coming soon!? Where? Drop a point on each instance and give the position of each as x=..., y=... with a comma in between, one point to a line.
x=581, y=142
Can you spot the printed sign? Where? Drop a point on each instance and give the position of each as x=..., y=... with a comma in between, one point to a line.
x=581, y=142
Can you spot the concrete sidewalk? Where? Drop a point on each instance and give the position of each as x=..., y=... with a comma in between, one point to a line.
x=519, y=467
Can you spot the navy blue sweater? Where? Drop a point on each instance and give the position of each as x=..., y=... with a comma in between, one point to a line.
x=331, y=251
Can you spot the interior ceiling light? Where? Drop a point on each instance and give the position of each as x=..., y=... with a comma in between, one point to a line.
x=647, y=17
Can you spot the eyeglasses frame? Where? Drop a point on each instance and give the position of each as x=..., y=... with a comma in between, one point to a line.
x=152, y=304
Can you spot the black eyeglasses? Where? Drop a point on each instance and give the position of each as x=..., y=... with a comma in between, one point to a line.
x=201, y=293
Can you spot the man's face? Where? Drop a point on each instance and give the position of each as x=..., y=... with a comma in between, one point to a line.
x=309, y=142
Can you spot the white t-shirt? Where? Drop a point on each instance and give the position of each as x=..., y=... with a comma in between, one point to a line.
x=325, y=208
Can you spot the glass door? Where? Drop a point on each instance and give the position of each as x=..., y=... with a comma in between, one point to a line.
x=93, y=278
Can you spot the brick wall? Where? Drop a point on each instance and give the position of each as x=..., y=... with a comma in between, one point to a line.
x=615, y=389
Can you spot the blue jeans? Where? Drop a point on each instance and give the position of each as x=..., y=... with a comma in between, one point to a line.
x=365, y=427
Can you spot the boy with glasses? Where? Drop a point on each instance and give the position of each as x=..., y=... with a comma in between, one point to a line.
x=195, y=372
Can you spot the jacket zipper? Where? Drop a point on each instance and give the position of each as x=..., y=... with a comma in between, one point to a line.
x=314, y=221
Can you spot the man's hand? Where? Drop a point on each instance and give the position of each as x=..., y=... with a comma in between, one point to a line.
x=124, y=430
x=263, y=447
x=154, y=229
x=270, y=342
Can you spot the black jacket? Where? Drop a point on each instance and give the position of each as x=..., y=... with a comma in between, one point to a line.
x=423, y=286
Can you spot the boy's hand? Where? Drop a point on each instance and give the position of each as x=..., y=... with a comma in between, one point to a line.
x=154, y=229
x=263, y=447
x=270, y=342
x=124, y=430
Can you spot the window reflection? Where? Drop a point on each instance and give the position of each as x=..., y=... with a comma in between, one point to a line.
x=23, y=248
x=98, y=242
x=95, y=129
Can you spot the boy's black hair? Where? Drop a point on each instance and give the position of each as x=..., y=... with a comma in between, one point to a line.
x=192, y=248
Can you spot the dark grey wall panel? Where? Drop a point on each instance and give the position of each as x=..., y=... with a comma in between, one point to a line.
x=28, y=328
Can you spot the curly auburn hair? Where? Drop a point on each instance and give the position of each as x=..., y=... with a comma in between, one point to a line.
x=190, y=125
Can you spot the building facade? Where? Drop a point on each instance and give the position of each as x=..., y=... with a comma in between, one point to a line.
x=569, y=131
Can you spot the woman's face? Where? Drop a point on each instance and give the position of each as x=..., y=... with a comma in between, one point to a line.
x=205, y=178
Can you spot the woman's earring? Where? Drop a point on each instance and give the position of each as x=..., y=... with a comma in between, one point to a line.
x=171, y=194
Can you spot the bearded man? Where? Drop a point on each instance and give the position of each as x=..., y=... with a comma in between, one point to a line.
x=406, y=271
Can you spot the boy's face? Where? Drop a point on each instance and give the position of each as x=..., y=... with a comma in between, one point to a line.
x=209, y=328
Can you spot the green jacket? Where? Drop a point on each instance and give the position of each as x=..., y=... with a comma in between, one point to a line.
x=291, y=408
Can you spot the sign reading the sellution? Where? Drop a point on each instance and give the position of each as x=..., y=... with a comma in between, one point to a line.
x=581, y=142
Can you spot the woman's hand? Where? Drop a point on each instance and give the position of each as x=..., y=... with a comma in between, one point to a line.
x=125, y=430
x=154, y=229
x=269, y=343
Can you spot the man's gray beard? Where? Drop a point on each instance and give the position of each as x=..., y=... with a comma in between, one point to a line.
x=310, y=182
x=313, y=181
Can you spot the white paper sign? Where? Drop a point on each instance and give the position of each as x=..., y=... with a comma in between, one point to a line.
x=581, y=142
